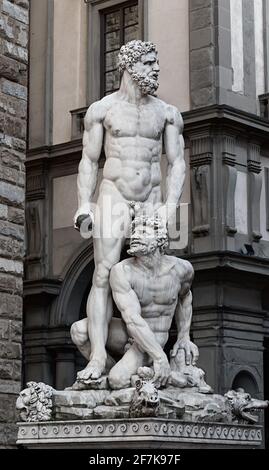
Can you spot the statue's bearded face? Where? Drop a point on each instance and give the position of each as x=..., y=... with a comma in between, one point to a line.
x=143, y=241
x=146, y=73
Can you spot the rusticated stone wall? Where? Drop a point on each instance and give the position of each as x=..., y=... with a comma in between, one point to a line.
x=14, y=21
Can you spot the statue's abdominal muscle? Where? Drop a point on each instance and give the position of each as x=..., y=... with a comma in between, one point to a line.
x=133, y=151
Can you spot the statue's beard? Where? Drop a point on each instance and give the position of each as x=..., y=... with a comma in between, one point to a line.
x=139, y=249
x=148, y=85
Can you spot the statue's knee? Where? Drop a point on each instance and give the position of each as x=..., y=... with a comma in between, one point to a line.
x=118, y=379
x=74, y=332
x=79, y=337
x=101, y=275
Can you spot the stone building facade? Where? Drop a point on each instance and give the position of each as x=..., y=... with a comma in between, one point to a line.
x=14, y=24
x=215, y=69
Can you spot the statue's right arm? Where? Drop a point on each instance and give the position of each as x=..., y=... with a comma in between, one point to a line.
x=88, y=167
x=183, y=314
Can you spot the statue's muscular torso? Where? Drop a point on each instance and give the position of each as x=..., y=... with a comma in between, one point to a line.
x=158, y=294
x=133, y=146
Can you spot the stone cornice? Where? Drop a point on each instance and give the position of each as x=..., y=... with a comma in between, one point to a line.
x=54, y=152
x=230, y=261
x=48, y=287
x=62, y=155
x=57, y=337
x=69, y=153
x=230, y=117
x=137, y=433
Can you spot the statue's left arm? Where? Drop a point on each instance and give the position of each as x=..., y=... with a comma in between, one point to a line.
x=174, y=147
x=183, y=317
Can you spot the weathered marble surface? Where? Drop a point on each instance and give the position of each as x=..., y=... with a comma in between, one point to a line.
x=144, y=400
x=187, y=404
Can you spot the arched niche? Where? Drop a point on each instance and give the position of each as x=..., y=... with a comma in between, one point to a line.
x=244, y=379
x=77, y=281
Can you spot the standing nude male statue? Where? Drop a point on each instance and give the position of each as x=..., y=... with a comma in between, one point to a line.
x=133, y=124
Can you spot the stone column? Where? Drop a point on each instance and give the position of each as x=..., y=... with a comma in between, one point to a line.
x=65, y=368
x=202, y=53
x=13, y=114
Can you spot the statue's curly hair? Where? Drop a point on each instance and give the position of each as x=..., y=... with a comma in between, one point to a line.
x=131, y=52
x=160, y=229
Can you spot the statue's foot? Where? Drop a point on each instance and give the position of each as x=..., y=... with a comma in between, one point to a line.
x=92, y=371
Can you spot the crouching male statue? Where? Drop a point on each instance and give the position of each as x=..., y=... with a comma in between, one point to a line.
x=133, y=124
x=149, y=289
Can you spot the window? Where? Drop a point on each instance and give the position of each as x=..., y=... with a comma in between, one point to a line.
x=119, y=25
x=110, y=24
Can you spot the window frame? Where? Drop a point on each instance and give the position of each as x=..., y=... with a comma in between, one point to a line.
x=118, y=7
x=266, y=183
x=96, y=8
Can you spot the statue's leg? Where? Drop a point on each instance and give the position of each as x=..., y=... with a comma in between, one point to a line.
x=120, y=375
x=80, y=337
x=108, y=242
x=116, y=341
x=98, y=313
x=117, y=337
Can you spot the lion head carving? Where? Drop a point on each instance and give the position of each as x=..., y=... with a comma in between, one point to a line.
x=35, y=402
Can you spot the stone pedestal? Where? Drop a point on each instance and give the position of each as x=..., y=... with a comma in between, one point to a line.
x=138, y=434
